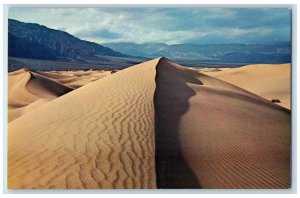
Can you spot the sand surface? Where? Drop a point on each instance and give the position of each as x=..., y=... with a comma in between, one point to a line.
x=266, y=80
x=99, y=136
x=76, y=79
x=152, y=125
x=28, y=90
x=220, y=135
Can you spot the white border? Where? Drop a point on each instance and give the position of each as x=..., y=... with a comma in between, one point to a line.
x=75, y=193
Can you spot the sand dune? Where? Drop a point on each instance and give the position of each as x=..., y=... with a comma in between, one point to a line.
x=25, y=87
x=211, y=134
x=14, y=113
x=76, y=79
x=98, y=136
x=266, y=80
x=28, y=90
x=153, y=125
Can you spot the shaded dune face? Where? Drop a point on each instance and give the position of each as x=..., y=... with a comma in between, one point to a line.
x=171, y=102
x=153, y=125
x=45, y=87
x=211, y=134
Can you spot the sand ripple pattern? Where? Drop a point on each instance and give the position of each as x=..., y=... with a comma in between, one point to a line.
x=98, y=136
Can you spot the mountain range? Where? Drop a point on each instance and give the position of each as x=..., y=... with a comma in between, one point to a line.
x=58, y=43
x=38, y=47
x=213, y=53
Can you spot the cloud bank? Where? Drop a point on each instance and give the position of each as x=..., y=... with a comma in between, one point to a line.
x=165, y=25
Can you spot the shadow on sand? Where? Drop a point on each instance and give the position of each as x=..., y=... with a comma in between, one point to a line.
x=171, y=102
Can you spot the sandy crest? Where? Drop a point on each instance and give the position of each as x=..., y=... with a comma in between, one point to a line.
x=211, y=134
x=266, y=80
x=98, y=136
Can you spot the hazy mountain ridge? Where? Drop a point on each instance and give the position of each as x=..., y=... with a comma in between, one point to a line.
x=248, y=53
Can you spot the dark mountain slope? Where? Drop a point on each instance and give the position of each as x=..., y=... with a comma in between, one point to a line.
x=18, y=47
x=61, y=44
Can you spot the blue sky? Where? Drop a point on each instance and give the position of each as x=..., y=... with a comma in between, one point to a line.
x=165, y=25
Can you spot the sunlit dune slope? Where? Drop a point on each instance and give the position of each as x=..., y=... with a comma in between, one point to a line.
x=266, y=80
x=98, y=136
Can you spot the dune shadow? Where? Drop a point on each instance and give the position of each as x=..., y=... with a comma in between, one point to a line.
x=50, y=85
x=170, y=103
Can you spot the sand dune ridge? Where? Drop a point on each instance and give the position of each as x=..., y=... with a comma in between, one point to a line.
x=152, y=125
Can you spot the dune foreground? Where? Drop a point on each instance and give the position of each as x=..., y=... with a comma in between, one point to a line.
x=153, y=125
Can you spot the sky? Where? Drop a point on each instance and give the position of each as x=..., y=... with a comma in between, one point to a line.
x=164, y=25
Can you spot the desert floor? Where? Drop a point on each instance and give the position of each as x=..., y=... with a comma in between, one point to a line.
x=153, y=125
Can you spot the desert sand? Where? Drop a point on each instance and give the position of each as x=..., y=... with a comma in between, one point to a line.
x=99, y=136
x=266, y=80
x=211, y=134
x=152, y=125
x=76, y=79
x=28, y=90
